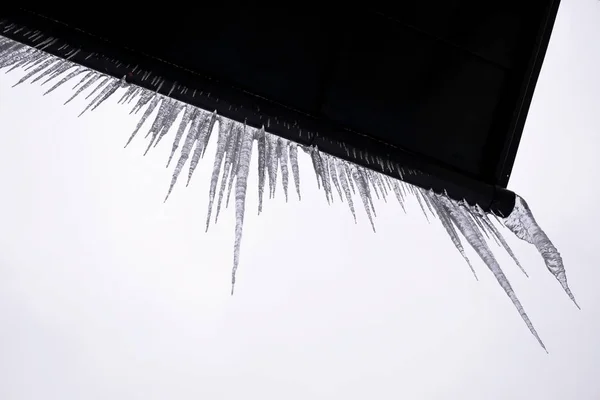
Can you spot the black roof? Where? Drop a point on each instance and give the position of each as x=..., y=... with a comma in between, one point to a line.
x=442, y=86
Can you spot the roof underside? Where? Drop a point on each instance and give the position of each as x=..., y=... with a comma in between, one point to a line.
x=440, y=86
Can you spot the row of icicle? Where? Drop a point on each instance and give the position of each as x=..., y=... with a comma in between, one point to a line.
x=235, y=145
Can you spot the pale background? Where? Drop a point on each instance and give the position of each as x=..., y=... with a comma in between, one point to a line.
x=107, y=293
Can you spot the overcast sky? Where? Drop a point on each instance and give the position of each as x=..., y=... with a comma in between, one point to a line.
x=107, y=293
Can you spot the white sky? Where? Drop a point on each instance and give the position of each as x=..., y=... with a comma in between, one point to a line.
x=106, y=292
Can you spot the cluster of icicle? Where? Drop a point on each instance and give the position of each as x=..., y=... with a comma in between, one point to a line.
x=235, y=145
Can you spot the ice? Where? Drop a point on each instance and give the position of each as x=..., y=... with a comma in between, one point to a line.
x=185, y=121
x=282, y=156
x=225, y=127
x=262, y=159
x=345, y=185
x=243, y=169
x=444, y=218
x=363, y=191
x=90, y=78
x=293, y=152
x=495, y=233
x=169, y=120
x=456, y=212
x=197, y=119
x=155, y=100
x=230, y=149
x=64, y=80
x=106, y=92
x=235, y=159
x=203, y=137
x=231, y=166
x=41, y=67
x=271, y=162
x=334, y=175
x=165, y=113
x=522, y=223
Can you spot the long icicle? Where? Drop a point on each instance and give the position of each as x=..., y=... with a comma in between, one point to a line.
x=241, y=183
x=293, y=152
x=282, y=155
x=229, y=156
x=225, y=127
x=345, y=186
x=522, y=223
x=187, y=148
x=261, y=139
x=461, y=220
x=449, y=227
x=235, y=161
x=234, y=148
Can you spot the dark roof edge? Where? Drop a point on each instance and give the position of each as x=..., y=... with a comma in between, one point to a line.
x=238, y=105
x=517, y=124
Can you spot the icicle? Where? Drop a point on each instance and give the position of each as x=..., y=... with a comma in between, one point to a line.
x=398, y=193
x=365, y=181
x=142, y=101
x=449, y=227
x=89, y=79
x=9, y=47
x=20, y=57
x=495, y=233
x=262, y=159
x=211, y=126
x=362, y=191
x=23, y=57
x=378, y=183
x=318, y=167
x=167, y=113
x=388, y=182
x=234, y=151
x=104, y=80
x=461, y=220
x=53, y=71
x=89, y=75
x=169, y=120
x=472, y=212
x=185, y=121
x=370, y=177
x=229, y=158
x=293, y=152
x=416, y=195
x=282, y=155
x=36, y=70
x=225, y=127
x=106, y=92
x=272, y=163
x=345, y=186
x=64, y=80
x=36, y=61
x=348, y=173
x=426, y=200
x=235, y=160
x=187, y=148
x=522, y=223
x=325, y=175
x=240, y=198
x=131, y=92
x=330, y=161
x=312, y=153
x=56, y=70
x=155, y=100
x=203, y=137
